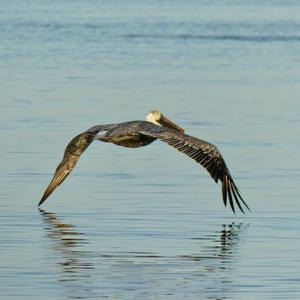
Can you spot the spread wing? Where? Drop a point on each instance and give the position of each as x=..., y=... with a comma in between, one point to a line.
x=205, y=154
x=72, y=153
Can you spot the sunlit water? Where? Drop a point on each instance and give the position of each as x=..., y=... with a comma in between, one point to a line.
x=149, y=223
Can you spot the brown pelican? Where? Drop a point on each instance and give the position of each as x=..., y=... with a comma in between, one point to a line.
x=141, y=133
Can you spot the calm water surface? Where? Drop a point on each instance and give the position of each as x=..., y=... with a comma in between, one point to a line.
x=149, y=223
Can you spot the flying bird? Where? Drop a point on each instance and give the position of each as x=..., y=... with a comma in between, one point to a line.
x=142, y=133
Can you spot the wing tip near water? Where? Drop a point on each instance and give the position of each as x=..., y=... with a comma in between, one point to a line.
x=231, y=191
x=58, y=178
x=71, y=155
x=43, y=199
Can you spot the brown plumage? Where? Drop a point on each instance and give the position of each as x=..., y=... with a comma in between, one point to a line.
x=141, y=133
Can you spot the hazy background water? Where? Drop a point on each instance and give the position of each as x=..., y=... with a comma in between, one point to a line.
x=149, y=223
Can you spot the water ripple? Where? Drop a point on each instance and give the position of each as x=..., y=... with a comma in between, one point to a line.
x=135, y=270
x=212, y=37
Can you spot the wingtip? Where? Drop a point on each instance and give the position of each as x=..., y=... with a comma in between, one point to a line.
x=231, y=191
x=238, y=197
x=228, y=189
x=235, y=188
x=41, y=201
x=224, y=192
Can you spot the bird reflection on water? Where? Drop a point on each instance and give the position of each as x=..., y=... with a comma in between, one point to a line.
x=226, y=241
x=73, y=261
x=91, y=274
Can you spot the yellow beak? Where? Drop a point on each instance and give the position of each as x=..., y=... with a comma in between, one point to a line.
x=164, y=121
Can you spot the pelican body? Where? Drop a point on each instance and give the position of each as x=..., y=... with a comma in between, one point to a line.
x=142, y=133
x=127, y=135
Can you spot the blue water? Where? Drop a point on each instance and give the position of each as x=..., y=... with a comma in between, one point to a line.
x=149, y=223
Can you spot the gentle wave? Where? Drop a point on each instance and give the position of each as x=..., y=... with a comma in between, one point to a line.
x=238, y=38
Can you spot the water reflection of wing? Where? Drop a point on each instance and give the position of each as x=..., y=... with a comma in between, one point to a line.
x=217, y=260
x=210, y=273
x=223, y=243
x=68, y=245
x=230, y=236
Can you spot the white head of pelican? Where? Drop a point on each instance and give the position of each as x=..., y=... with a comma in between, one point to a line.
x=157, y=118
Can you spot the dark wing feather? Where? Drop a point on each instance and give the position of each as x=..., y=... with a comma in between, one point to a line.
x=205, y=154
x=72, y=153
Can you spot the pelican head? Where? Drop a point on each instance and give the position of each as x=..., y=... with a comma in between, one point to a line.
x=157, y=118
